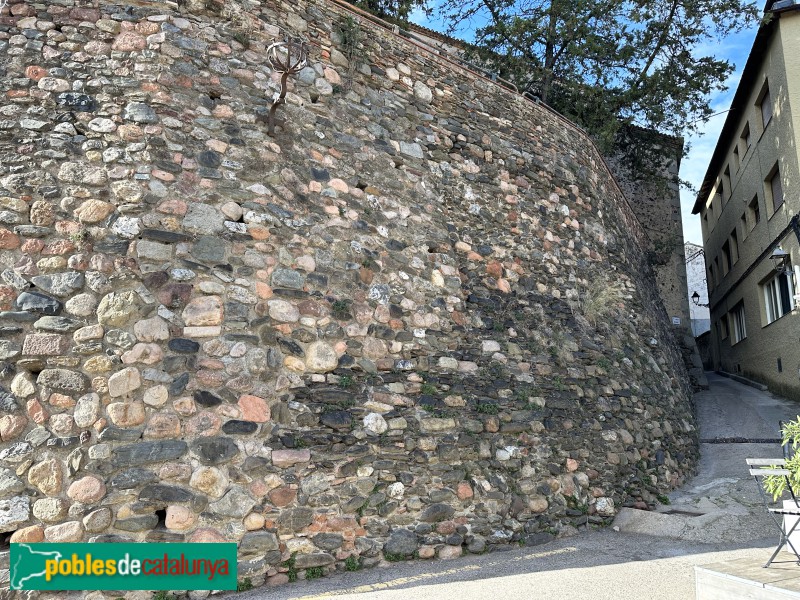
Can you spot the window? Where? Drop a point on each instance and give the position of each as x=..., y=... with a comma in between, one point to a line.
x=765, y=103
x=721, y=192
x=775, y=188
x=734, y=247
x=746, y=138
x=736, y=159
x=726, y=184
x=723, y=327
x=738, y=321
x=716, y=270
x=755, y=212
x=705, y=225
x=710, y=278
x=778, y=296
x=726, y=257
x=743, y=221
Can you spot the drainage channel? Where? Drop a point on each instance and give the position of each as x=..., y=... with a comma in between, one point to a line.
x=740, y=440
x=684, y=513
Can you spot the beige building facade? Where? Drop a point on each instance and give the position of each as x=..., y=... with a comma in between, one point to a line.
x=748, y=204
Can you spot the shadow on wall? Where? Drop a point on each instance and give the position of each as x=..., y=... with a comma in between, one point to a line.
x=704, y=348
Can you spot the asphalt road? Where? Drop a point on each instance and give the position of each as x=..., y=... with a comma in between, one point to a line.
x=608, y=564
x=595, y=565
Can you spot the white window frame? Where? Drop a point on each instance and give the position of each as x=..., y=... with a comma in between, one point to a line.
x=775, y=309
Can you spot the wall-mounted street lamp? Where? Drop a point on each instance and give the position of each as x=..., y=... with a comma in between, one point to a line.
x=780, y=260
x=288, y=58
x=696, y=300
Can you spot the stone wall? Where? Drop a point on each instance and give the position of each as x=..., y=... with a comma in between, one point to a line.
x=418, y=320
x=645, y=163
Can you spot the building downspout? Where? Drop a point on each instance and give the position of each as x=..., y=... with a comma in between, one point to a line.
x=795, y=225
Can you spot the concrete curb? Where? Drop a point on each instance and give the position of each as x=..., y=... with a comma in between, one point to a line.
x=754, y=384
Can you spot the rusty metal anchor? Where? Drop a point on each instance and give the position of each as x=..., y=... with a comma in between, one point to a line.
x=288, y=58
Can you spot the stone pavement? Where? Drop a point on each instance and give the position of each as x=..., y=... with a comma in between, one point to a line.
x=721, y=504
x=647, y=554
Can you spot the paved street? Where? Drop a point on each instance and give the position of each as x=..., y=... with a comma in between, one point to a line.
x=630, y=563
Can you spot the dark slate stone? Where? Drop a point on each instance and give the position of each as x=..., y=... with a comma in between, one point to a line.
x=61, y=443
x=145, y=453
x=236, y=311
x=174, y=364
x=537, y=539
x=258, y=541
x=209, y=159
x=17, y=316
x=139, y=112
x=295, y=519
x=320, y=174
x=328, y=541
x=132, y=478
x=256, y=466
x=58, y=324
x=38, y=303
x=180, y=383
x=112, y=246
x=143, y=523
x=279, y=211
x=209, y=173
x=168, y=237
x=8, y=403
x=168, y=166
x=77, y=102
x=165, y=493
x=209, y=248
x=32, y=231
x=318, y=559
x=235, y=426
x=290, y=346
x=215, y=450
x=401, y=542
x=115, y=434
x=16, y=452
x=204, y=398
x=317, y=280
x=155, y=280
x=287, y=278
x=191, y=44
x=287, y=293
x=331, y=395
x=184, y=68
x=396, y=245
x=183, y=345
x=337, y=419
x=437, y=512
x=160, y=536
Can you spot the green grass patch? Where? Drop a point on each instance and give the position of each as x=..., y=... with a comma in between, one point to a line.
x=314, y=572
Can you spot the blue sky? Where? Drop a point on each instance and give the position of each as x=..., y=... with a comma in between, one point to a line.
x=735, y=49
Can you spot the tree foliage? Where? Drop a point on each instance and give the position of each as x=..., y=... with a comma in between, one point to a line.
x=396, y=11
x=605, y=62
